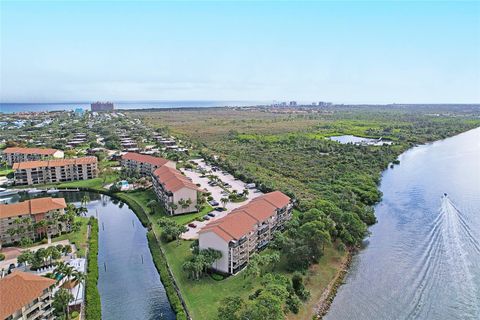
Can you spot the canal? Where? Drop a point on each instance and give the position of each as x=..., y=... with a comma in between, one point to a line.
x=129, y=284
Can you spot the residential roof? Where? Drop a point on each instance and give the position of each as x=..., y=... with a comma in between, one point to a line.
x=33, y=206
x=242, y=220
x=276, y=198
x=30, y=150
x=156, y=161
x=172, y=179
x=54, y=163
x=233, y=226
x=19, y=289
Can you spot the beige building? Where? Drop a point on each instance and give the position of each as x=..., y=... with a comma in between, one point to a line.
x=144, y=164
x=246, y=230
x=52, y=171
x=22, y=219
x=15, y=154
x=177, y=193
x=26, y=296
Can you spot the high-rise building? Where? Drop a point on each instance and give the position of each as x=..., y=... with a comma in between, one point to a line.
x=102, y=106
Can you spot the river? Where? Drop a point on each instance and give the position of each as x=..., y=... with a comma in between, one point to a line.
x=422, y=260
x=129, y=284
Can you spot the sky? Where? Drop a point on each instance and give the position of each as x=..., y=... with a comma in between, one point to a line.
x=344, y=52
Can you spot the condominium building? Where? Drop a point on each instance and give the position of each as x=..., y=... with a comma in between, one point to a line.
x=144, y=164
x=24, y=219
x=101, y=106
x=175, y=191
x=15, y=154
x=51, y=171
x=26, y=296
x=246, y=230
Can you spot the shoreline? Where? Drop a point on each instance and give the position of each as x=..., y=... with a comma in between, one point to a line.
x=323, y=305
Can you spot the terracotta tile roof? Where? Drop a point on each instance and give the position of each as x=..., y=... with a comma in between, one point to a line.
x=54, y=163
x=235, y=225
x=30, y=150
x=156, y=161
x=172, y=179
x=19, y=289
x=33, y=206
x=243, y=219
x=276, y=198
x=260, y=210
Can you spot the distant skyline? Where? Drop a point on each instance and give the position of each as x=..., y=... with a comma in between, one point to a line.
x=344, y=52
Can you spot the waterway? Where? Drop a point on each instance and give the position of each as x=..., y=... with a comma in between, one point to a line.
x=422, y=260
x=129, y=284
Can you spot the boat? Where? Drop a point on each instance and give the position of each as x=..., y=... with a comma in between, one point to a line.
x=5, y=192
x=34, y=191
x=53, y=190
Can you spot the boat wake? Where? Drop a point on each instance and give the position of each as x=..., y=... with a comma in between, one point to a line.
x=445, y=264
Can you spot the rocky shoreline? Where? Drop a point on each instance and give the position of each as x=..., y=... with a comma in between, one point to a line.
x=323, y=305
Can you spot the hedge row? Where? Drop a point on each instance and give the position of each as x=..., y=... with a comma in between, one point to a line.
x=161, y=263
x=158, y=257
x=93, y=305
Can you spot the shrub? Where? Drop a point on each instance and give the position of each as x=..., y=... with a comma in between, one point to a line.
x=162, y=267
x=93, y=309
x=74, y=315
x=217, y=277
x=2, y=257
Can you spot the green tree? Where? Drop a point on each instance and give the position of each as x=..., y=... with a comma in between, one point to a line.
x=60, y=303
x=230, y=308
x=151, y=205
x=224, y=201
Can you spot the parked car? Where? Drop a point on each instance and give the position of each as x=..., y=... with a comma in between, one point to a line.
x=220, y=209
x=213, y=203
x=192, y=225
x=211, y=214
x=250, y=185
x=225, y=193
x=227, y=185
x=206, y=217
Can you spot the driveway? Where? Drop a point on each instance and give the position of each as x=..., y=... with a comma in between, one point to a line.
x=216, y=192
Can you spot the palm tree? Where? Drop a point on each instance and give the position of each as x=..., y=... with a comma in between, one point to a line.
x=61, y=301
x=85, y=200
x=173, y=206
x=82, y=210
x=224, y=201
x=151, y=205
x=40, y=227
x=79, y=278
x=71, y=209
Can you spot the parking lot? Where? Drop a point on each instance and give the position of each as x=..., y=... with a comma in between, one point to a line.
x=216, y=192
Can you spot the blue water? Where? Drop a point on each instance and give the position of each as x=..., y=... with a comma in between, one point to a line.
x=128, y=283
x=25, y=107
x=422, y=260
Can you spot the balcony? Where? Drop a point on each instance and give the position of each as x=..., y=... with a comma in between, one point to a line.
x=263, y=229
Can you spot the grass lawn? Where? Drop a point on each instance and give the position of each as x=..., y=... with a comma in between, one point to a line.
x=78, y=238
x=91, y=183
x=189, y=217
x=202, y=297
x=317, y=279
